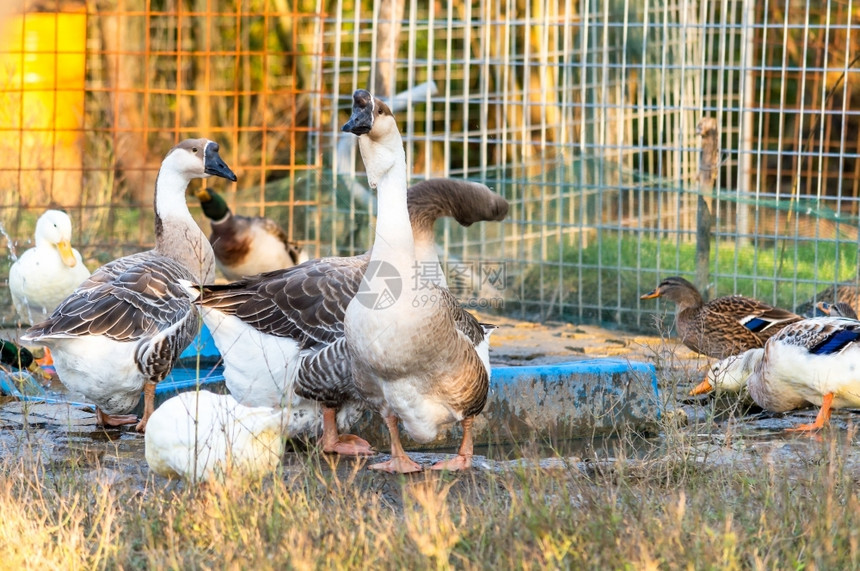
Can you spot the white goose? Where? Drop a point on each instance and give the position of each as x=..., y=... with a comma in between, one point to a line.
x=199, y=436
x=410, y=360
x=47, y=273
x=281, y=334
x=121, y=331
x=813, y=361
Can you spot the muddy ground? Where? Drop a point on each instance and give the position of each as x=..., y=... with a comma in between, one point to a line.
x=65, y=436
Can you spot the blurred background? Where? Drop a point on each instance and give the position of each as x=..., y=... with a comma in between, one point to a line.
x=582, y=114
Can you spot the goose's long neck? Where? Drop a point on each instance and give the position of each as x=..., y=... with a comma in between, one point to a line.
x=393, y=241
x=177, y=235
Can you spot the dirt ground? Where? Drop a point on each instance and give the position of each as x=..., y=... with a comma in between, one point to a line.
x=64, y=435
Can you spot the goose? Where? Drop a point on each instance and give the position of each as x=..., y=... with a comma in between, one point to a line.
x=411, y=359
x=47, y=273
x=724, y=326
x=280, y=334
x=246, y=246
x=121, y=330
x=813, y=361
x=838, y=309
x=201, y=436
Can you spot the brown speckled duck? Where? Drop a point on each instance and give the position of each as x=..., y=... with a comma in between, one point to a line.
x=722, y=327
x=848, y=293
x=838, y=309
x=246, y=246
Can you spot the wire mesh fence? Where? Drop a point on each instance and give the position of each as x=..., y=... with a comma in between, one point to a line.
x=582, y=114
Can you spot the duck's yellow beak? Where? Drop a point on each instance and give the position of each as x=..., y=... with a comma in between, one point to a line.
x=702, y=388
x=651, y=294
x=67, y=254
x=38, y=371
x=203, y=195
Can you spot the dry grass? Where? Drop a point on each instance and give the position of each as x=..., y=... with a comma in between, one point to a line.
x=677, y=508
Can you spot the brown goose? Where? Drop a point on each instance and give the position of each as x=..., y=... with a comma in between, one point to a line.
x=121, y=330
x=411, y=359
x=281, y=333
x=724, y=326
x=246, y=246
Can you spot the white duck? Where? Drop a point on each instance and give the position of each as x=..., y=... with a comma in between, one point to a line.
x=199, y=436
x=121, y=330
x=410, y=360
x=246, y=246
x=813, y=361
x=47, y=273
x=281, y=334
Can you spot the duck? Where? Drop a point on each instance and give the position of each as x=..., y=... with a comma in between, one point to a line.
x=724, y=326
x=121, y=331
x=11, y=355
x=243, y=245
x=848, y=293
x=838, y=309
x=411, y=359
x=200, y=436
x=281, y=334
x=813, y=361
x=47, y=273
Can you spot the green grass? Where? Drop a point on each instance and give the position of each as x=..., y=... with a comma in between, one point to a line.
x=674, y=509
x=611, y=274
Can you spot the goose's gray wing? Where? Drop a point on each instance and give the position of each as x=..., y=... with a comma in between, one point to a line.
x=134, y=297
x=306, y=302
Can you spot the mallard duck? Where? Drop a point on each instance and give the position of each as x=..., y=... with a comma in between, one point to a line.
x=20, y=358
x=724, y=326
x=838, y=309
x=813, y=361
x=121, y=330
x=198, y=436
x=848, y=293
x=246, y=246
x=281, y=333
x=411, y=359
x=47, y=273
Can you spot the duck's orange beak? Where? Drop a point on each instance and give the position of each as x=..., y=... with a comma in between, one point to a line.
x=651, y=294
x=702, y=388
x=67, y=254
x=203, y=195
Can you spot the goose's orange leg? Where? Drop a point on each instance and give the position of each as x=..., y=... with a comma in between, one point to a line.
x=343, y=444
x=820, y=420
x=463, y=459
x=400, y=462
x=148, y=405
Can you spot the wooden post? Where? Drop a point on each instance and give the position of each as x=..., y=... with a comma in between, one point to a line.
x=708, y=164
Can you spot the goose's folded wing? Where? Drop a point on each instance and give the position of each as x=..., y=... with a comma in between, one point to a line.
x=125, y=303
x=306, y=302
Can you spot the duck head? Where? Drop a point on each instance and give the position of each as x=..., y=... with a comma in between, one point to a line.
x=378, y=137
x=54, y=229
x=838, y=309
x=676, y=289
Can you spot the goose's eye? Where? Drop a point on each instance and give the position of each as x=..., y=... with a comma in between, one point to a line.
x=380, y=111
x=193, y=149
